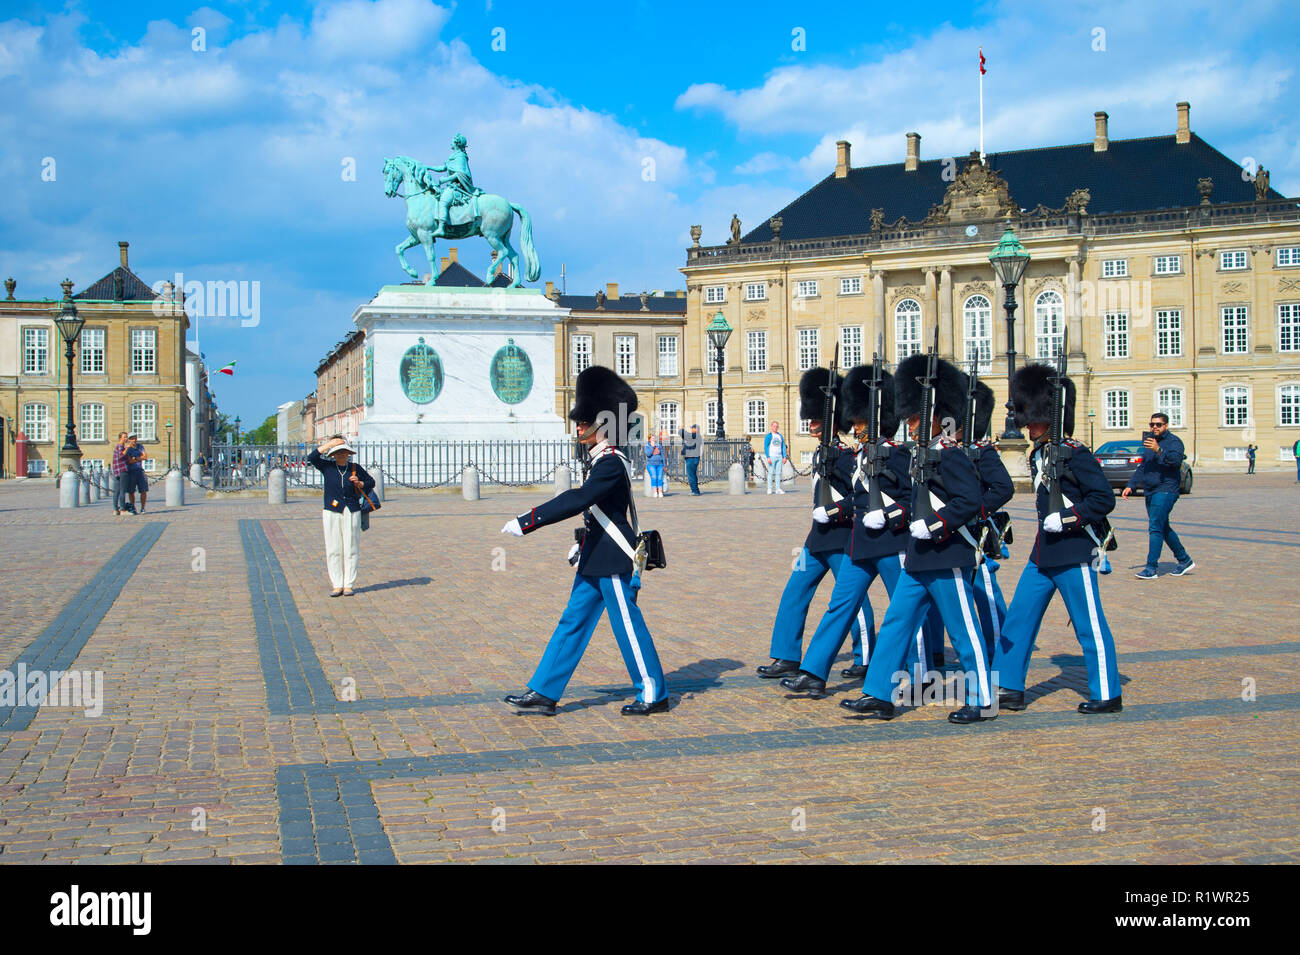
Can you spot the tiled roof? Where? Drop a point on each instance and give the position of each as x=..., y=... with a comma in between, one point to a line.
x=133, y=287
x=658, y=304
x=456, y=275
x=1131, y=175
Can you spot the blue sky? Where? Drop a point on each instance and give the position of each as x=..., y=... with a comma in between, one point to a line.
x=225, y=163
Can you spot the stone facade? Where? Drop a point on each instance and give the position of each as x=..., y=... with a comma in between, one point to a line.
x=340, y=388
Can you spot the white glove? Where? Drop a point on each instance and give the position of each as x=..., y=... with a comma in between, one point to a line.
x=512, y=527
x=820, y=516
x=874, y=520
x=920, y=530
x=573, y=552
x=1052, y=524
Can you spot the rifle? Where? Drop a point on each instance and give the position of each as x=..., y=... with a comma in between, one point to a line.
x=824, y=464
x=923, y=458
x=1057, y=454
x=970, y=438
x=873, y=460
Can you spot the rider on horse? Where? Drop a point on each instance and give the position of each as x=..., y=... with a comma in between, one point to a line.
x=459, y=179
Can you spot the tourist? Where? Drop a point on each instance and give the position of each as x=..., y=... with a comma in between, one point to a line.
x=691, y=441
x=344, y=485
x=119, y=472
x=776, y=452
x=654, y=465
x=136, y=479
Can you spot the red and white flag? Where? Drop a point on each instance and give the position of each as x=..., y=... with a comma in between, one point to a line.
x=982, y=70
x=227, y=370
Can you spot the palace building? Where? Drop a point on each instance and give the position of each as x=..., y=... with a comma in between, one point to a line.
x=1171, y=274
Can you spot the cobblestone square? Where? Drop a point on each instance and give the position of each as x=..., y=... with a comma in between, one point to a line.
x=247, y=717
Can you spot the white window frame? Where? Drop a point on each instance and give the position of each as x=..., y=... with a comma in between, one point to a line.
x=755, y=291
x=809, y=347
x=805, y=426
x=756, y=350
x=581, y=349
x=143, y=424
x=1160, y=265
x=1229, y=257
x=1115, y=329
x=144, y=351
x=806, y=288
x=755, y=416
x=1171, y=401
x=91, y=347
x=36, y=350
x=1288, y=404
x=851, y=351
x=37, y=467
x=711, y=356
x=625, y=355
x=36, y=421
x=978, y=346
x=1235, y=453
x=1286, y=256
x=1288, y=327
x=1049, y=324
x=907, y=328
x=669, y=417
x=1169, y=338
x=711, y=417
x=90, y=421
x=805, y=458
x=667, y=348
x=1239, y=329
x=851, y=285
x=1114, y=268
x=1239, y=406
x=715, y=294
x=1117, y=405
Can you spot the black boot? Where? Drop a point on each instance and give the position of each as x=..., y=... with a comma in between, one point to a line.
x=855, y=672
x=531, y=702
x=805, y=683
x=1013, y=700
x=969, y=714
x=777, y=668
x=641, y=708
x=870, y=707
x=1102, y=706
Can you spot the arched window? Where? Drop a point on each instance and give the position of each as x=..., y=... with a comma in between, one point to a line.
x=1049, y=324
x=1236, y=406
x=977, y=317
x=1117, y=409
x=1288, y=406
x=669, y=419
x=907, y=328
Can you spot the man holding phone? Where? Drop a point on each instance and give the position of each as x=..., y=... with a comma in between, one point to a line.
x=1158, y=475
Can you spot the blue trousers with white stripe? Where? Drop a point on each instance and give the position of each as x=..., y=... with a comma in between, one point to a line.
x=949, y=590
x=591, y=595
x=1078, y=586
x=792, y=613
x=989, y=603
x=850, y=606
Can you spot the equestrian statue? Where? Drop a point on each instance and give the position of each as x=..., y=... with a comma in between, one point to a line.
x=452, y=207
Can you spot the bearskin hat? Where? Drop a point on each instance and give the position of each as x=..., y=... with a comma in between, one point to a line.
x=855, y=397
x=949, y=388
x=811, y=398
x=599, y=389
x=984, y=403
x=1031, y=397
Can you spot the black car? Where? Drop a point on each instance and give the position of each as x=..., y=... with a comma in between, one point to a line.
x=1119, y=459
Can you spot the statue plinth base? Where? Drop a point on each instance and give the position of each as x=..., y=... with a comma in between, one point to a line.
x=1015, y=458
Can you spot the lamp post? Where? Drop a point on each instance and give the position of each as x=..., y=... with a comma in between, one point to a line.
x=236, y=429
x=69, y=324
x=1010, y=259
x=719, y=331
x=168, y=425
x=1092, y=414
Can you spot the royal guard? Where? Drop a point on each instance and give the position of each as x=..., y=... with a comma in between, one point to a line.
x=604, y=557
x=823, y=549
x=996, y=490
x=1073, y=498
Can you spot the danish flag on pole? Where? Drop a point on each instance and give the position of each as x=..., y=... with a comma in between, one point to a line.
x=982, y=70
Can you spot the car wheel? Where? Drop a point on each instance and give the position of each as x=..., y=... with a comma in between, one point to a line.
x=1187, y=484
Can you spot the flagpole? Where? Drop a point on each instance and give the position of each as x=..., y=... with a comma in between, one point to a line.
x=981, y=106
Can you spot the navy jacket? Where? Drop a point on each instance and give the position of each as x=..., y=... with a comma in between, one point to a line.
x=896, y=482
x=835, y=535
x=1160, y=470
x=608, y=486
x=1091, y=498
x=340, y=494
x=958, y=486
x=996, y=488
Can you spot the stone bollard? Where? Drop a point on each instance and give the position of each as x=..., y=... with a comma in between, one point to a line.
x=469, y=484
x=276, y=487
x=787, y=473
x=83, y=491
x=563, y=479
x=378, y=475
x=174, y=487
x=69, y=490
x=649, y=491
x=736, y=479
x=196, y=473
x=113, y=481
x=97, y=484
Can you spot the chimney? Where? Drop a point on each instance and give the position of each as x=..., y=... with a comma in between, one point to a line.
x=550, y=288
x=913, y=152
x=611, y=290
x=1184, y=133
x=1101, y=139
x=842, y=159
x=121, y=252
x=681, y=293
x=451, y=254
x=443, y=263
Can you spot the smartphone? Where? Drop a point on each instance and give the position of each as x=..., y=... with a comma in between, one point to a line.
x=1148, y=434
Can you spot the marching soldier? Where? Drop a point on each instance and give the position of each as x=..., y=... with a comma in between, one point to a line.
x=823, y=550
x=996, y=490
x=940, y=550
x=1063, y=555
x=603, y=558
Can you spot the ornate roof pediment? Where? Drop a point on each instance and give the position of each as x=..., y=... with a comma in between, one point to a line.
x=978, y=192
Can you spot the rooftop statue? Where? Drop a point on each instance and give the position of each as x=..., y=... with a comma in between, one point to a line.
x=452, y=207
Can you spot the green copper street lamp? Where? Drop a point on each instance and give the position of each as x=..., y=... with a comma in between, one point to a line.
x=1010, y=259
x=719, y=331
x=69, y=324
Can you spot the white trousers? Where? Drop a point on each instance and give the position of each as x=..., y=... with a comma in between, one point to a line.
x=342, y=544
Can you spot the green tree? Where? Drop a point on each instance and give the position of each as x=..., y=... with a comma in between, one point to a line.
x=264, y=433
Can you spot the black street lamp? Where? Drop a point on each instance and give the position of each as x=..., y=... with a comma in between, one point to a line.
x=168, y=425
x=1092, y=415
x=1010, y=259
x=69, y=324
x=719, y=331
